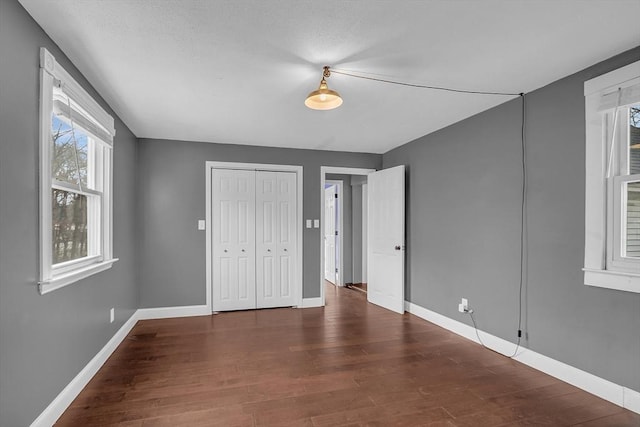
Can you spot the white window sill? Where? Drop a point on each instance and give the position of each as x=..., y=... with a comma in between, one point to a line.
x=68, y=278
x=621, y=281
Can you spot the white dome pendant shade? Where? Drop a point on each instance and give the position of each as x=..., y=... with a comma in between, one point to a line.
x=323, y=98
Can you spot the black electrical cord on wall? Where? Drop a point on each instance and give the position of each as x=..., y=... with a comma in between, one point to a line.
x=523, y=219
x=523, y=201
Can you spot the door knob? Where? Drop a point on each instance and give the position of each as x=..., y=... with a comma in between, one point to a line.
x=285, y=249
x=397, y=248
x=225, y=250
x=268, y=250
x=243, y=250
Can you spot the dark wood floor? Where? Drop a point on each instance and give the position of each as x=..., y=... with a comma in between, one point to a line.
x=362, y=287
x=348, y=364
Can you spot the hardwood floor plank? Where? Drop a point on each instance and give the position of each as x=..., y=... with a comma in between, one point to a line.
x=620, y=419
x=347, y=364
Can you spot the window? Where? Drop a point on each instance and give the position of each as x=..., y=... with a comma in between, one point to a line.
x=76, y=141
x=612, y=187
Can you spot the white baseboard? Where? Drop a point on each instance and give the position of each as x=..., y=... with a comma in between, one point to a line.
x=631, y=400
x=168, y=312
x=57, y=407
x=52, y=412
x=615, y=393
x=311, y=302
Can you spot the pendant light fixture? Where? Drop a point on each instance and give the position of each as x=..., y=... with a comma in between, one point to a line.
x=323, y=98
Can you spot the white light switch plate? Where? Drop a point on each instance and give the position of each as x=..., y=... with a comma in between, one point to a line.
x=201, y=224
x=316, y=223
x=308, y=223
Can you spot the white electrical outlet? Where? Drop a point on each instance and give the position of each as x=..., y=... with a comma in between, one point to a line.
x=463, y=307
x=112, y=315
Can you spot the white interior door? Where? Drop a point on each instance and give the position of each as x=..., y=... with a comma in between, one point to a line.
x=276, y=239
x=330, y=234
x=233, y=239
x=385, y=274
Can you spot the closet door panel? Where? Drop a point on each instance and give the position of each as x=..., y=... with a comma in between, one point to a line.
x=266, y=237
x=287, y=242
x=276, y=238
x=233, y=239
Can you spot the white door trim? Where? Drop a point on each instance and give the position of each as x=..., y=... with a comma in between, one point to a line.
x=209, y=166
x=323, y=171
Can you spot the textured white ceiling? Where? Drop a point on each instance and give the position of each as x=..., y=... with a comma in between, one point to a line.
x=238, y=71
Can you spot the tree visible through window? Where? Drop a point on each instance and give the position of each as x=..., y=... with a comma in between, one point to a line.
x=76, y=144
x=68, y=165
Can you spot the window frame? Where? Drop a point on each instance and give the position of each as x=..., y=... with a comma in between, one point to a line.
x=100, y=256
x=603, y=264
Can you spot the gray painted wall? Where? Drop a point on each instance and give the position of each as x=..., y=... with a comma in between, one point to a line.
x=346, y=213
x=45, y=340
x=463, y=221
x=172, y=198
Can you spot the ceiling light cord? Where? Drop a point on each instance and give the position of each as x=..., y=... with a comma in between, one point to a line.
x=446, y=89
x=523, y=219
x=523, y=237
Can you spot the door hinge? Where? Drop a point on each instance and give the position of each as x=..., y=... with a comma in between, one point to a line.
x=336, y=232
x=336, y=270
x=336, y=195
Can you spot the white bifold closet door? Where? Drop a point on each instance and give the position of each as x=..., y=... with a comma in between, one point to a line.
x=233, y=239
x=254, y=239
x=275, y=238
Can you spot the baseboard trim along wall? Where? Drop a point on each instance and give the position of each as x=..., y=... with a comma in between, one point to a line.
x=57, y=407
x=311, y=302
x=615, y=393
x=168, y=312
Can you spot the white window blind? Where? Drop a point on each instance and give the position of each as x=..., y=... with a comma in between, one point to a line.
x=621, y=96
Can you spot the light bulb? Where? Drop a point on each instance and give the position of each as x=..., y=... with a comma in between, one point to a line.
x=323, y=97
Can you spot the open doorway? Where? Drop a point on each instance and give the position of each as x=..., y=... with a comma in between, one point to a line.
x=385, y=234
x=344, y=224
